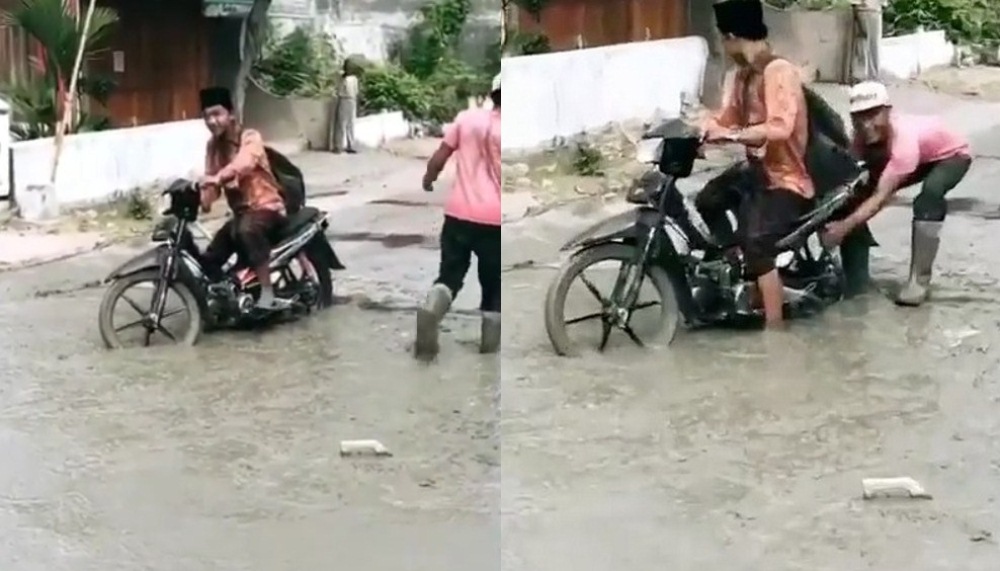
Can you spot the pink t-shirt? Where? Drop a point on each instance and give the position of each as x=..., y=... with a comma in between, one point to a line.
x=475, y=137
x=921, y=139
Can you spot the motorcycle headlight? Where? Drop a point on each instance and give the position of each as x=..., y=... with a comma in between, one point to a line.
x=648, y=151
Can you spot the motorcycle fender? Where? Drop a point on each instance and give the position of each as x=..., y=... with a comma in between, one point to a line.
x=627, y=225
x=187, y=269
x=147, y=260
x=322, y=247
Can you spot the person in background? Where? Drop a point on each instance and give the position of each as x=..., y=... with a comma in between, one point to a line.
x=347, y=110
x=471, y=224
x=867, y=16
x=902, y=150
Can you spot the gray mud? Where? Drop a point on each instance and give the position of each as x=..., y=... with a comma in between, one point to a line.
x=226, y=456
x=744, y=450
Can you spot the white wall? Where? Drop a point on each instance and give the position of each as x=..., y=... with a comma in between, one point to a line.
x=561, y=94
x=904, y=57
x=94, y=167
x=375, y=130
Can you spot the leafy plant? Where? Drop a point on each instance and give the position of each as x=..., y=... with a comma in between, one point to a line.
x=390, y=88
x=434, y=37
x=137, y=206
x=37, y=101
x=964, y=21
x=302, y=64
x=588, y=160
x=427, y=79
x=60, y=33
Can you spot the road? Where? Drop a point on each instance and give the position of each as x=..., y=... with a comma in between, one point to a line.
x=226, y=456
x=744, y=450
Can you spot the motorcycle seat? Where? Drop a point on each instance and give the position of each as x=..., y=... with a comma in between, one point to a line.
x=813, y=220
x=295, y=222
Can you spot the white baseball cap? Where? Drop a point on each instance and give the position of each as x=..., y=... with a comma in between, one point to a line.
x=868, y=95
x=496, y=84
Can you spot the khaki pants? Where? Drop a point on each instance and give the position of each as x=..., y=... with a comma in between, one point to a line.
x=866, y=47
x=345, y=112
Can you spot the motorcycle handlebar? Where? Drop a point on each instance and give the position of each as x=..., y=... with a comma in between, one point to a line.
x=193, y=186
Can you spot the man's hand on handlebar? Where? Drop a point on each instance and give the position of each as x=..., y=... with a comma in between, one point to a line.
x=728, y=136
x=209, y=180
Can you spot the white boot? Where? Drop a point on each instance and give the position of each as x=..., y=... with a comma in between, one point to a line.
x=429, y=318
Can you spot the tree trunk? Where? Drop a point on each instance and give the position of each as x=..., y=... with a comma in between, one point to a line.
x=504, y=22
x=254, y=28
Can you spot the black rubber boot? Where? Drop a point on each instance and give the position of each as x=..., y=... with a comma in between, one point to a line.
x=489, y=341
x=855, y=259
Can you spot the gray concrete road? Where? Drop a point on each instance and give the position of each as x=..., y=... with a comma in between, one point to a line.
x=226, y=456
x=745, y=451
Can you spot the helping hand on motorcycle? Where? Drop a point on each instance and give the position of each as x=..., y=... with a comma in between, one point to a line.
x=834, y=233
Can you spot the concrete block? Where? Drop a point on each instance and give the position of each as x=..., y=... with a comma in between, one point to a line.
x=38, y=202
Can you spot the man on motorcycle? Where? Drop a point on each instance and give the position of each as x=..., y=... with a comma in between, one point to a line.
x=471, y=223
x=763, y=108
x=236, y=162
x=902, y=150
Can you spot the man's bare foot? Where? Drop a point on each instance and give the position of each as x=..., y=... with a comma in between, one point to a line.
x=776, y=325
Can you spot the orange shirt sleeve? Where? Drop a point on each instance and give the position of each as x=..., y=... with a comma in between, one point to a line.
x=782, y=94
x=727, y=116
x=250, y=154
x=210, y=193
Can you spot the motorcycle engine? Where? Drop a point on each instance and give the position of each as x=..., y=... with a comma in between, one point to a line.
x=245, y=303
x=705, y=291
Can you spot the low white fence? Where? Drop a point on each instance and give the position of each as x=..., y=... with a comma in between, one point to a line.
x=904, y=57
x=561, y=94
x=94, y=167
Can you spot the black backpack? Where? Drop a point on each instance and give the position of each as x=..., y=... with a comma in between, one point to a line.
x=290, y=180
x=828, y=153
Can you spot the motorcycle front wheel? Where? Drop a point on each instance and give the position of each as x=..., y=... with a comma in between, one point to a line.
x=667, y=320
x=138, y=321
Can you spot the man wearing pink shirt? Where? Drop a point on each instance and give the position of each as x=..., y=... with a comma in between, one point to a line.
x=471, y=224
x=903, y=150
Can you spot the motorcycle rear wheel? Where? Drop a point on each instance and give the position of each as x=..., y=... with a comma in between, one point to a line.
x=106, y=313
x=555, y=299
x=324, y=276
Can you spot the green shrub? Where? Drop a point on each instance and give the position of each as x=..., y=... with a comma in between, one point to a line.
x=434, y=37
x=390, y=88
x=427, y=80
x=304, y=63
x=964, y=21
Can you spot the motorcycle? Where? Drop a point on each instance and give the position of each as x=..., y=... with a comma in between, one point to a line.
x=301, y=266
x=695, y=279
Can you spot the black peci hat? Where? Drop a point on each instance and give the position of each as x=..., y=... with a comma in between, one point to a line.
x=743, y=19
x=216, y=96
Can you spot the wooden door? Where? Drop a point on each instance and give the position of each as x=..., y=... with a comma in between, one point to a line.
x=160, y=58
x=605, y=22
x=658, y=19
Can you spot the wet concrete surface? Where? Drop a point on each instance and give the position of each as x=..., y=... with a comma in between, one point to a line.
x=746, y=450
x=226, y=456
